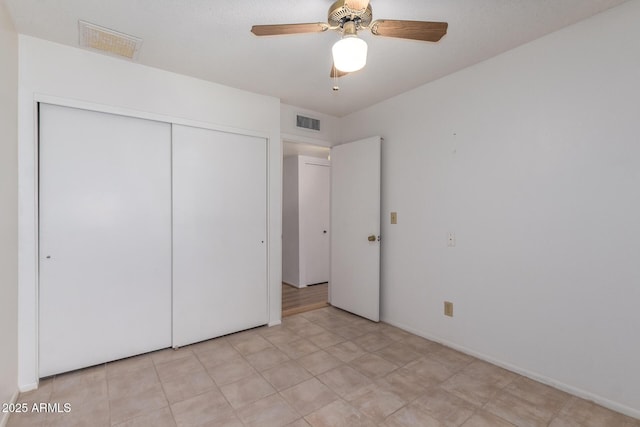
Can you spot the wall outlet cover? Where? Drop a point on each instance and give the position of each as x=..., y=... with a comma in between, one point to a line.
x=448, y=308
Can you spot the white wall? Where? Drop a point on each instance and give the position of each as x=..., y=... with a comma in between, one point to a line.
x=52, y=70
x=328, y=126
x=9, y=208
x=533, y=159
x=290, y=222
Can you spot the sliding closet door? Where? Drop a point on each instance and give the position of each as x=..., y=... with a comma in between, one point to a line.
x=219, y=233
x=105, y=237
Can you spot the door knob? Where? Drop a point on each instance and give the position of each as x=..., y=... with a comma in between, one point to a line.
x=371, y=238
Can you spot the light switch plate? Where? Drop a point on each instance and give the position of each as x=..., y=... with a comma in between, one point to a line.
x=394, y=217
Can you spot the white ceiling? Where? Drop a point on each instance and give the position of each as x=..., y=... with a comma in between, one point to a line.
x=210, y=39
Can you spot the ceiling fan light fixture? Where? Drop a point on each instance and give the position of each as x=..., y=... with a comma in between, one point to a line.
x=349, y=53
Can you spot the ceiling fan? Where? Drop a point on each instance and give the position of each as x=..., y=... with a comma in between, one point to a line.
x=348, y=17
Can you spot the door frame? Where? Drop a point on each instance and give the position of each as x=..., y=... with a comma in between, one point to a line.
x=304, y=140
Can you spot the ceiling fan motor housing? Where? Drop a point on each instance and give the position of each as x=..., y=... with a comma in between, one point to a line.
x=339, y=13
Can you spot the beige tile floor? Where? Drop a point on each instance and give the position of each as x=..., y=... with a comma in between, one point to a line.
x=320, y=368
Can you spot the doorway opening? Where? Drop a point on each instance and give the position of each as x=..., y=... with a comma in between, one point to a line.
x=298, y=300
x=305, y=227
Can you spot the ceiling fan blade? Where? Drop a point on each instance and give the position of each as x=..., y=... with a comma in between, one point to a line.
x=414, y=30
x=336, y=73
x=356, y=4
x=280, y=29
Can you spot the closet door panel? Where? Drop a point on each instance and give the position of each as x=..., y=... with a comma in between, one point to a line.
x=219, y=233
x=105, y=237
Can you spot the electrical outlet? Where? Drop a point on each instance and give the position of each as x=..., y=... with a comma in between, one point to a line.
x=448, y=308
x=394, y=217
x=451, y=239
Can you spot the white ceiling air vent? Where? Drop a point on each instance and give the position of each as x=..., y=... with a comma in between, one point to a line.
x=307, y=123
x=95, y=37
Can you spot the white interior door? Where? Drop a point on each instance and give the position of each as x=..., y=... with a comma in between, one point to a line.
x=315, y=216
x=355, y=225
x=105, y=238
x=219, y=233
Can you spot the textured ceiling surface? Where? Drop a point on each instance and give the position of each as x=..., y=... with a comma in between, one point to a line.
x=211, y=40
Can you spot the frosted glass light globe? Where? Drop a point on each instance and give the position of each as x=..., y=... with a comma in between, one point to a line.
x=349, y=54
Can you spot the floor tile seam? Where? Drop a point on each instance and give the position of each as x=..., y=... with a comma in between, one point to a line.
x=128, y=374
x=555, y=414
x=253, y=352
x=55, y=376
x=233, y=409
x=374, y=377
x=407, y=405
x=204, y=366
x=444, y=366
x=324, y=331
x=255, y=371
x=205, y=371
x=109, y=394
x=301, y=415
x=126, y=395
x=175, y=376
x=278, y=345
x=140, y=416
x=161, y=385
x=395, y=362
x=474, y=413
x=167, y=362
x=325, y=384
x=357, y=409
x=298, y=334
x=293, y=385
x=29, y=401
x=184, y=349
x=411, y=401
x=385, y=346
x=124, y=374
x=502, y=388
x=239, y=408
x=455, y=371
x=485, y=409
x=244, y=359
x=66, y=393
x=562, y=407
x=477, y=408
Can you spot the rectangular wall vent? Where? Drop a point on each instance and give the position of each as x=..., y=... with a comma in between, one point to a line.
x=307, y=123
x=108, y=41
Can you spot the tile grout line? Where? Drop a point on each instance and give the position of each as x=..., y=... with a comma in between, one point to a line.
x=328, y=320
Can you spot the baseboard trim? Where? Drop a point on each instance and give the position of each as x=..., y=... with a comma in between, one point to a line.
x=5, y=417
x=294, y=286
x=614, y=406
x=274, y=323
x=28, y=387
